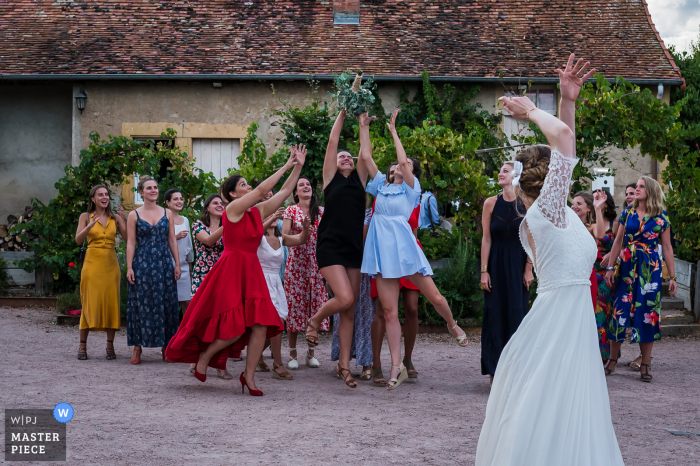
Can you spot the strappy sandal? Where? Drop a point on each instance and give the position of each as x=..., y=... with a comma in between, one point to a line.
x=378, y=377
x=262, y=367
x=645, y=377
x=412, y=372
x=462, y=339
x=222, y=374
x=349, y=381
x=396, y=381
x=366, y=374
x=110, y=350
x=311, y=340
x=608, y=370
x=136, y=357
x=82, y=352
x=281, y=376
x=636, y=366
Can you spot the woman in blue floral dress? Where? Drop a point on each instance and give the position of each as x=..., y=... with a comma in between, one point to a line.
x=152, y=307
x=638, y=288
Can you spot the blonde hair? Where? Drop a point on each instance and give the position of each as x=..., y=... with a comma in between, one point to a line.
x=588, y=199
x=535, y=160
x=143, y=180
x=655, y=197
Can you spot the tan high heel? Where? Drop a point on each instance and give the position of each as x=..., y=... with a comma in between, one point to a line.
x=396, y=381
x=462, y=339
x=283, y=376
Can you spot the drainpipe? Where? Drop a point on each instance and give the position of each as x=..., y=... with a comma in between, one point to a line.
x=654, y=163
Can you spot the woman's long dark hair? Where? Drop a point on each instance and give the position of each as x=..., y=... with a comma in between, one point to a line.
x=313, y=206
x=206, y=218
x=610, y=214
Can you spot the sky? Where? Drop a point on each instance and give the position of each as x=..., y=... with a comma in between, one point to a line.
x=678, y=21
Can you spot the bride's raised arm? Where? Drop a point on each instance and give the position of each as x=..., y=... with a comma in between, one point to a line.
x=560, y=135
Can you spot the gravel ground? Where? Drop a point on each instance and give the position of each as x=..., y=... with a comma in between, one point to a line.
x=156, y=413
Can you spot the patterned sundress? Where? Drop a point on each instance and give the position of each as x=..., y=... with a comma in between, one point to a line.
x=152, y=308
x=206, y=256
x=303, y=283
x=604, y=303
x=638, y=288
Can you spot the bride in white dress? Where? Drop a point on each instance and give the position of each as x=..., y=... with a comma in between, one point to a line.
x=549, y=400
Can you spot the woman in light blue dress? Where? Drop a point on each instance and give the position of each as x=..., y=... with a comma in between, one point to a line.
x=391, y=251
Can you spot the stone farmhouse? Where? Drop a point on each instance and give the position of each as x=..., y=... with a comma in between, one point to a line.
x=205, y=67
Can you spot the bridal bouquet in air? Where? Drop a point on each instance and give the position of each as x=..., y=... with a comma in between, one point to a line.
x=356, y=98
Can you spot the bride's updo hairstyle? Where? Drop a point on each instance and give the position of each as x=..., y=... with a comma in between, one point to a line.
x=535, y=160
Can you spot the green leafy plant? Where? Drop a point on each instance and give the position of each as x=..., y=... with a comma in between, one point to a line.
x=4, y=275
x=109, y=162
x=255, y=166
x=459, y=284
x=65, y=301
x=441, y=247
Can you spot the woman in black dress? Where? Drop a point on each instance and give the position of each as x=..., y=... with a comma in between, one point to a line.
x=339, y=246
x=506, y=272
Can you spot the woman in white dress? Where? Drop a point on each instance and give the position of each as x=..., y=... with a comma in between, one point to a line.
x=271, y=256
x=175, y=202
x=549, y=401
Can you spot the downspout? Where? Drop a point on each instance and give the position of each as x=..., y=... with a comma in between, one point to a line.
x=654, y=163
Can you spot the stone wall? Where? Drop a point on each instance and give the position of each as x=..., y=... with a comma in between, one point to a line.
x=35, y=142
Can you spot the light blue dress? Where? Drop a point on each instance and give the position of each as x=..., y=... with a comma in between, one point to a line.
x=390, y=248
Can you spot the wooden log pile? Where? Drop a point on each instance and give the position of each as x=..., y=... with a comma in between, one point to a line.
x=10, y=238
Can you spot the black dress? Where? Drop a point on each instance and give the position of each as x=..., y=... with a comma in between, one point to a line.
x=340, y=229
x=507, y=303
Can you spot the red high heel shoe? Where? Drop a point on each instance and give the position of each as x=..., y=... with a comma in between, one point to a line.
x=201, y=377
x=244, y=384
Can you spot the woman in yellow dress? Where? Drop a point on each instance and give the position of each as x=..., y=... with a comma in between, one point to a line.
x=99, y=281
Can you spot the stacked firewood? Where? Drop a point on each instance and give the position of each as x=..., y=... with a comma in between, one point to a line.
x=10, y=234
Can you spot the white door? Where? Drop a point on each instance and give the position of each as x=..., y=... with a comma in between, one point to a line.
x=216, y=156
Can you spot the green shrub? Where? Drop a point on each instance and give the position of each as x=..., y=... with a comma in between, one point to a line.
x=459, y=284
x=67, y=301
x=440, y=247
x=4, y=276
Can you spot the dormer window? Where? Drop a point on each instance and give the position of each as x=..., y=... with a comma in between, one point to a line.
x=346, y=11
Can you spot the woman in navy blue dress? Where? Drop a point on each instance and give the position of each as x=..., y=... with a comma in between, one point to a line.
x=152, y=309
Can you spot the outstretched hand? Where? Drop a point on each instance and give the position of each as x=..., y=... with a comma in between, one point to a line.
x=365, y=120
x=300, y=150
x=518, y=107
x=392, y=123
x=599, y=199
x=573, y=77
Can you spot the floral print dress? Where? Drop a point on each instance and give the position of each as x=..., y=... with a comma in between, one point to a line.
x=206, y=256
x=303, y=283
x=638, y=288
x=152, y=308
x=604, y=301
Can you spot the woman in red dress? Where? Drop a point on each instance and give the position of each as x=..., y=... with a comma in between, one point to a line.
x=232, y=307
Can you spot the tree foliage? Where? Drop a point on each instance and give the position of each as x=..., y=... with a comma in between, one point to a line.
x=109, y=162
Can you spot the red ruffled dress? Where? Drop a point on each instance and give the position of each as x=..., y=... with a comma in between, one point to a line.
x=231, y=299
x=403, y=282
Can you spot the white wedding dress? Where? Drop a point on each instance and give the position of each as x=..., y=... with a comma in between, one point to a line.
x=549, y=401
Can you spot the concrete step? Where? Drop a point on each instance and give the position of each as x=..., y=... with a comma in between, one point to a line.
x=671, y=303
x=680, y=330
x=677, y=319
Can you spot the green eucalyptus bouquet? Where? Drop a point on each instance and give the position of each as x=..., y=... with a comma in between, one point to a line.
x=356, y=98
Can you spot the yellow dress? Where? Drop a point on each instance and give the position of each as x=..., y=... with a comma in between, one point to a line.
x=99, y=281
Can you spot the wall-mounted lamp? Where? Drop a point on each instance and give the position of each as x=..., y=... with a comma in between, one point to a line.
x=217, y=85
x=660, y=91
x=80, y=100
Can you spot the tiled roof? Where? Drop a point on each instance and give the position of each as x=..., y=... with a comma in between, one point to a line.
x=460, y=38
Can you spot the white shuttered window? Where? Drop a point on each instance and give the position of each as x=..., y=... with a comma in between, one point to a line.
x=216, y=156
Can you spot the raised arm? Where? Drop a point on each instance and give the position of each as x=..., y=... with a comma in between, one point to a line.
x=301, y=238
x=85, y=224
x=368, y=164
x=275, y=202
x=330, y=163
x=570, y=82
x=599, y=199
x=210, y=240
x=406, y=169
x=235, y=209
